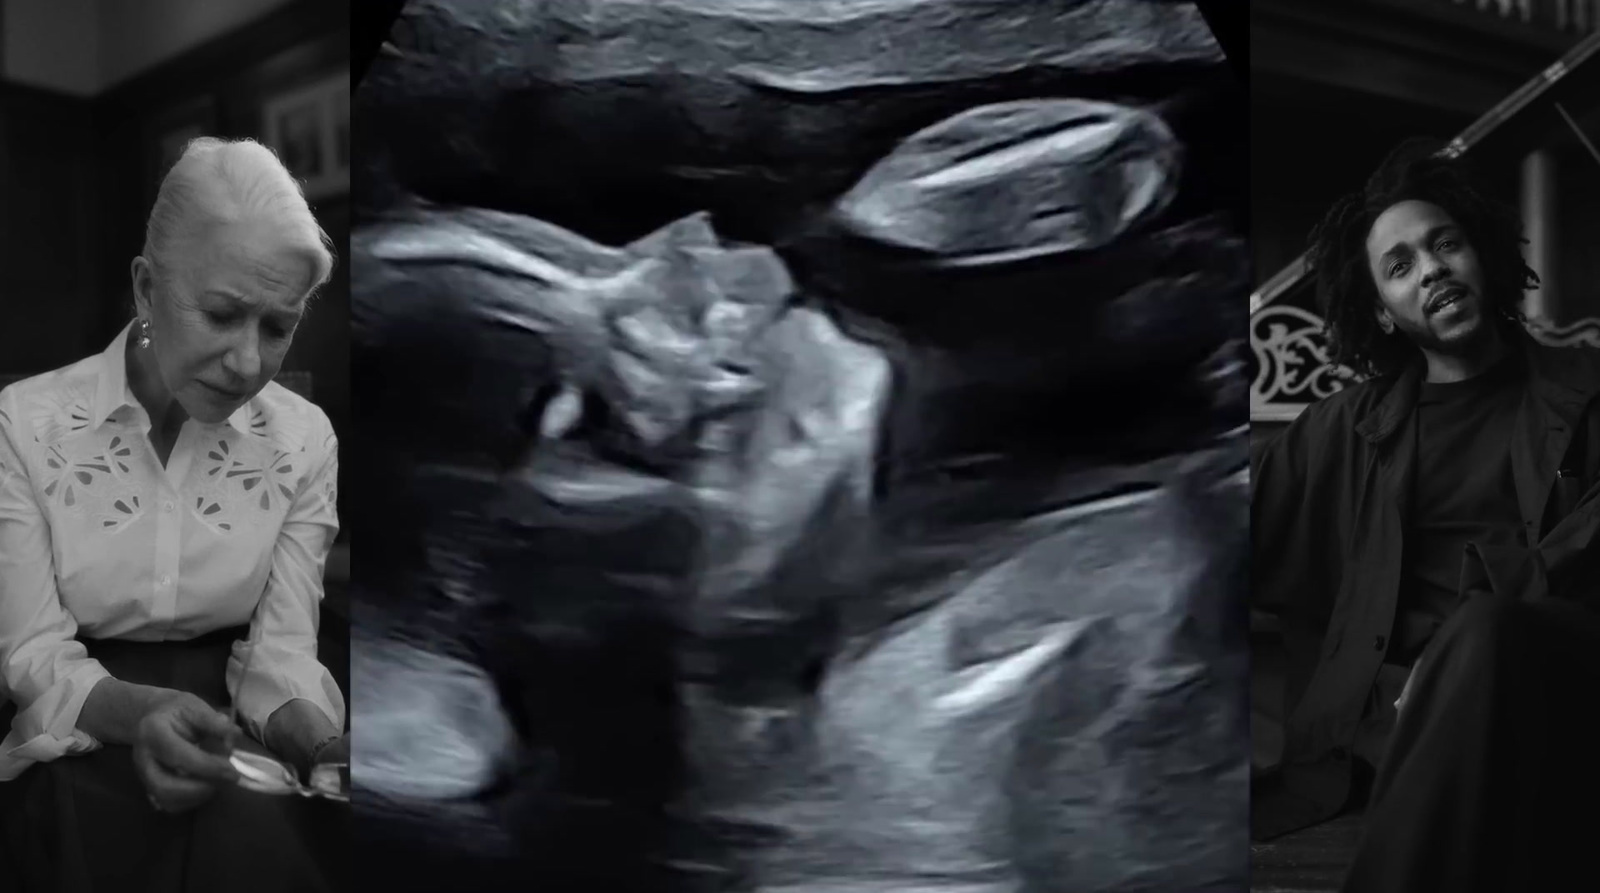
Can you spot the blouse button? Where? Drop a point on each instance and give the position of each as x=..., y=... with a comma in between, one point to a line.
x=165, y=579
x=167, y=506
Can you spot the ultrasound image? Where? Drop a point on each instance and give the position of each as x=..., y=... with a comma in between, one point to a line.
x=800, y=447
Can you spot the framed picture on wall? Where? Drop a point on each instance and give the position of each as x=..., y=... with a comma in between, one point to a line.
x=309, y=127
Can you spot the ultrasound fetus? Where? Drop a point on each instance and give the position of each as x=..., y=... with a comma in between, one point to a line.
x=823, y=462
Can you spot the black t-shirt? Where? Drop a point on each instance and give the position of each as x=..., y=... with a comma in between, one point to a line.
x=1463, y=492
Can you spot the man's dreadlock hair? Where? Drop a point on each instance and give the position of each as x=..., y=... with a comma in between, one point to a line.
x=1346, y=293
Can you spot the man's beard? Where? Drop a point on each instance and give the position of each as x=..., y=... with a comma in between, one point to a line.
x=1476, y=340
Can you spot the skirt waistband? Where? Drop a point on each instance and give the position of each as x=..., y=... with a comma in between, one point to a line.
x=228, y=634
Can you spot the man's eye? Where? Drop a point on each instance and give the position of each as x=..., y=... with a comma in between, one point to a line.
x=220, y=319
x=1447, y=244
x=1398, y=267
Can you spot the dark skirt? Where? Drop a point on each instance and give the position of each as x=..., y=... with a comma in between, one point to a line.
x=83, y=824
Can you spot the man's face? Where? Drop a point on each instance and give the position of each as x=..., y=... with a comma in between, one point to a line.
x=1430, y=285
x=221, y=328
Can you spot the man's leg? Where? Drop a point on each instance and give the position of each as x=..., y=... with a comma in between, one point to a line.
x=1488, y=768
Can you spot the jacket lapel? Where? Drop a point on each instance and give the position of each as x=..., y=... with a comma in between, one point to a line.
x=1536, y=444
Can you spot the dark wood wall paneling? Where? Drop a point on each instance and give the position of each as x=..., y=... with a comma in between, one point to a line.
x=48, y=221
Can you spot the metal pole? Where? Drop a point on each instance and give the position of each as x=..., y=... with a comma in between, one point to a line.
x=1539, y=222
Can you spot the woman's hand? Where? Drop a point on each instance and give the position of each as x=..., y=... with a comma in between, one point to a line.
x=294, y=730
x=335, y=753
x=180, y=751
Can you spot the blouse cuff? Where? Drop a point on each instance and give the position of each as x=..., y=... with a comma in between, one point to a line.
x=48, y=729
x=279, y=677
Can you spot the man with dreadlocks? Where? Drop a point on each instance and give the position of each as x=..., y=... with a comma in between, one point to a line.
x=1428, y=538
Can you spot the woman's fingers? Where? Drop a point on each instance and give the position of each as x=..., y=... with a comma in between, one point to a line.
x=187, y=759
x=337, y=752
x=177, y=744
x=168, y=790
x=205, y=722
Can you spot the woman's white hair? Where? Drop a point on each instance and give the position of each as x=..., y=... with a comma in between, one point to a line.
x=219, y=181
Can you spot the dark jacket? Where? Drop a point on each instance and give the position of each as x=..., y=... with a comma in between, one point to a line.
x=1330, y=507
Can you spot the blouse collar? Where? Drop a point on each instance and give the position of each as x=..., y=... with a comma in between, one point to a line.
x=113, y=391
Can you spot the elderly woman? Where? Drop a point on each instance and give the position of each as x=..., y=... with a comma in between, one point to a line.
x=165, y=513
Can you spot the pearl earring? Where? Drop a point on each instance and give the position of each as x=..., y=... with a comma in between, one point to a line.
x=144, y=333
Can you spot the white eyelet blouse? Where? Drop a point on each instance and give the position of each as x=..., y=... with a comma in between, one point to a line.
x=98, y=539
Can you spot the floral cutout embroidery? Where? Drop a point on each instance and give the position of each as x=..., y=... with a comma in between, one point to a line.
x=220, y=455
x=258, y=420
x=124, y=510
x=287, y=429
x=261, y=482
x=330, y=484
x=60, y=416
x=118, y=453
x=69, y=480
x=207, y=508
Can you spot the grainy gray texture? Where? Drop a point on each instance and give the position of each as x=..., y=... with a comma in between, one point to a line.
x=1018, y=686
x=828, y=456
x=580, y=110
x=1019, y=180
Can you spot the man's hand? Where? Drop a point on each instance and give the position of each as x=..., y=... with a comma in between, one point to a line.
x=180, y=751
